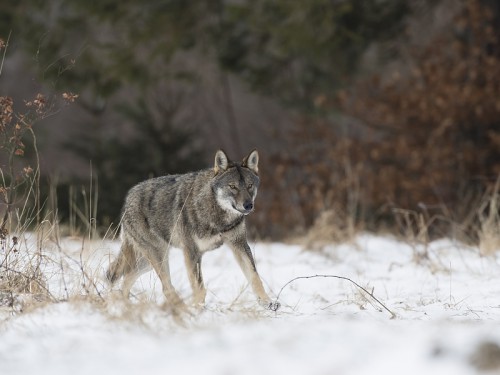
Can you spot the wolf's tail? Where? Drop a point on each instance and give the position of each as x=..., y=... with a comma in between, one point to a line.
x=115, y=271
x=122, y=264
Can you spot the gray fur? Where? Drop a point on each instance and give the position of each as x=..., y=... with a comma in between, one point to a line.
x=198, y=212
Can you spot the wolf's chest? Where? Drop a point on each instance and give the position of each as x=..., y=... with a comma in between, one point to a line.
x=208, y=243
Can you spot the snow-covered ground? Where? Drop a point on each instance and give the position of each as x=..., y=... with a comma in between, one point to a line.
x=446, y=298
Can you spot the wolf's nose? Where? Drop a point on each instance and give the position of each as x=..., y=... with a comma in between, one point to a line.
x=248, y=206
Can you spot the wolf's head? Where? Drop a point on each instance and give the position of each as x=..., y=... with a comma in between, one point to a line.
x=235, y=184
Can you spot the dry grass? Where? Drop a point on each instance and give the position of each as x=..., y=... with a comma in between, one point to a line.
x=330, y=227
x=37, y=268
x=489, y=223
x=30, y=261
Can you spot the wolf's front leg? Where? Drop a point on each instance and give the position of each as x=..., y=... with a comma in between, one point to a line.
x=192, y=258
x=244, y=257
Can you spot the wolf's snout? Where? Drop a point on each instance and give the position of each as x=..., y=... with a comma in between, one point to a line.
x=248, y=206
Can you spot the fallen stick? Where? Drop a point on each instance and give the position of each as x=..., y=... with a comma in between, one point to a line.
x=276, y=303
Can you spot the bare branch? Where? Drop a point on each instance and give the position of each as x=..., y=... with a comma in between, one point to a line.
x=393, y=315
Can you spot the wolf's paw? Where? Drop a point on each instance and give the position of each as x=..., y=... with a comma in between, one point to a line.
x=198, y=300
x=274, y=306
x=199, y=306
x=175, y=304
x=270, y=305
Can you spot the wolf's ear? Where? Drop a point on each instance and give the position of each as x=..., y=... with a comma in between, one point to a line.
x=221, y=161
x=252, y=161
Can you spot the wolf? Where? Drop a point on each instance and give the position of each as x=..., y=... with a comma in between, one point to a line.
x=197, y=212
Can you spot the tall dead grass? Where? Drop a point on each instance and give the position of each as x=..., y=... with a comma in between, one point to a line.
x=27, y=226
x=489, y=223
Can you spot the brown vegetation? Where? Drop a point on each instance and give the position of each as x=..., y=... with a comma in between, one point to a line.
x=426, y=140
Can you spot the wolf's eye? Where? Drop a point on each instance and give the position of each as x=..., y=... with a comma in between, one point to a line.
x=250, y=186
x=232, y=186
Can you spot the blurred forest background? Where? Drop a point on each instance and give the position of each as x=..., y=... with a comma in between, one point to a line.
x=368, y=114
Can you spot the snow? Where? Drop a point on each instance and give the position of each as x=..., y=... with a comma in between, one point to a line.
x=446, y=298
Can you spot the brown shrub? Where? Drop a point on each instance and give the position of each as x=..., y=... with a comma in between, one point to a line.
x=424, y=139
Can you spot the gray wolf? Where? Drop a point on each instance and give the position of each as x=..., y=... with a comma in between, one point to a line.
x=198, y=212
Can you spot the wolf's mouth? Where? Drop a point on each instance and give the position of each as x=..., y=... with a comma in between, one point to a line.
x=243, y=212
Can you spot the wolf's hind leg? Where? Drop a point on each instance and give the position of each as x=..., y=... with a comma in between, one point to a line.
x=131, y=265
x=159, y=261
x=133, y=274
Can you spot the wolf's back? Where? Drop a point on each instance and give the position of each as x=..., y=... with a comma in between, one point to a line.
x=153, y=207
